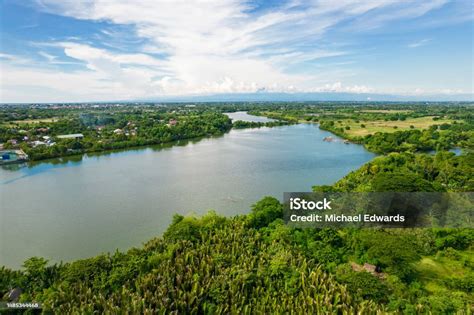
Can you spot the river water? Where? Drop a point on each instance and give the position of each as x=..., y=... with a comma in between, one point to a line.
x=71, y=208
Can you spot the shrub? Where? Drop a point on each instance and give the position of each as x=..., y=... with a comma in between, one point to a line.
x=265, y=211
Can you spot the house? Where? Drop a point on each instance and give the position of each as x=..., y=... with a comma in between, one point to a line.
x=76, y=136
x=118, y=131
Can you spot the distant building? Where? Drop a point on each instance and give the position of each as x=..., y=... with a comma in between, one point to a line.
x=118, y=131
x=12, y=156
x=37, y=143
x=76, y=136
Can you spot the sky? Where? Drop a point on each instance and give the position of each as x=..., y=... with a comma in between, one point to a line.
x=104, y=50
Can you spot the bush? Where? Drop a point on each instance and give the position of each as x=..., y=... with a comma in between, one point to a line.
x=405, y=182
x=183, y=228
x=265, y=212
x=363, y=284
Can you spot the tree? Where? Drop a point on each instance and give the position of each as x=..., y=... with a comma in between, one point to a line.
x=265, y=211
x=405, y=182
x=394, y=256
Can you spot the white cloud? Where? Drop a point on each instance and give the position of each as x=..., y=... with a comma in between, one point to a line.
x=339, y=87
x=214, y=46
x=419, y=43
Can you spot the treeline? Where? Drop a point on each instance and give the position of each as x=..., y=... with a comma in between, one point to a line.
x=240, y=124
x=443, y=171
x=140, y=132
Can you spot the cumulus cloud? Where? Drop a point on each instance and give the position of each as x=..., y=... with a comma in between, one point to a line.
x=339, y=87
x=204, y=47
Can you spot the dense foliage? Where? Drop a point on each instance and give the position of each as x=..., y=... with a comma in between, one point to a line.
x=253, y=264
x=413, y=172
x=239, y=124
x=207, y=265
x=123, y=131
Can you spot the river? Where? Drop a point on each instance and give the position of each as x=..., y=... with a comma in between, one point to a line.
x=71, y=208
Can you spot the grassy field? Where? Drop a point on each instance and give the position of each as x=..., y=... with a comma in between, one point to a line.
x=31, y=121
x=385, y=111
x=372, y=127
x=434, y=270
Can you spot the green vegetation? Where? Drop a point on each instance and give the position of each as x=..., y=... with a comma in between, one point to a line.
x=372, y=127
x=36, y=130
x=412, y=172
x=389, y=128
x=254, y=263
x=239, y=124
x=115, y=130
x=207, y=265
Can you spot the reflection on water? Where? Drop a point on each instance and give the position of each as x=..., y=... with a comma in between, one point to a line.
x=79, y=206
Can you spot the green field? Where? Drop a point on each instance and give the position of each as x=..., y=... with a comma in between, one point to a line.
x=374, y=126
x=30, y=121
x=434, y=271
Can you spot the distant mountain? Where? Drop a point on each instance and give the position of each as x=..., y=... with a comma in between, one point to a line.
x=306, y=97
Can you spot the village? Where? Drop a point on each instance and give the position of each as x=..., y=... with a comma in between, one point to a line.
x=55, y=132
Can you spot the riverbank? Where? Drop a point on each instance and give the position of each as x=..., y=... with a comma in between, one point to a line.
x=119, y=199
x=82, y=146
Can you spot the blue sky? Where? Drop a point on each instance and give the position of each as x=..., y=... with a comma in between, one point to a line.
x=55, y=51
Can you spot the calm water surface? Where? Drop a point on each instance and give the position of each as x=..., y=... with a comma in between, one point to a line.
x=65, y=209
x=246, y=117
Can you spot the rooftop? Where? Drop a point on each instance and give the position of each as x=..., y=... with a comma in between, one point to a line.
x=72, y=135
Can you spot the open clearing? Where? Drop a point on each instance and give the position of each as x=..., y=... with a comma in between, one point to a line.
x=433, y=270
x=372, y=127
x=31, y=121
x=385, y=111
